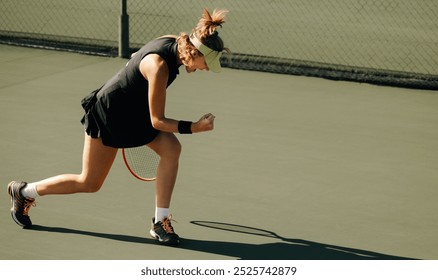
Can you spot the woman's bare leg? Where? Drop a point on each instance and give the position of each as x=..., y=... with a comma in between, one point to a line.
x=96, y=163
x=167, y=146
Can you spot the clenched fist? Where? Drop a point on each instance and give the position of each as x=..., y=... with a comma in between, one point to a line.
x=205, y=123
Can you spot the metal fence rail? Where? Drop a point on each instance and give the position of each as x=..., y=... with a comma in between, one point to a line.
x=388, y=42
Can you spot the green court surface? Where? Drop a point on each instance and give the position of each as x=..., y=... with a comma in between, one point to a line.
x=333, y=170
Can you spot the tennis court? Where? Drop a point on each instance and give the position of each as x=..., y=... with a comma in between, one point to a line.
x=336, y=170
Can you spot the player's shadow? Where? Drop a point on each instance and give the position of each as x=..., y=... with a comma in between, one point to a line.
x=281, y=249
x=118, y=237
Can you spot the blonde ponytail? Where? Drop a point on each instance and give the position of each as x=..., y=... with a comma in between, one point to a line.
x=208, y=24
x=206, y=32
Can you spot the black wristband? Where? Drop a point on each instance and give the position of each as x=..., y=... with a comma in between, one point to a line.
x=185, y=127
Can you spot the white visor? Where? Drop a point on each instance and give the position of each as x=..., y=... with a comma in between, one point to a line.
x=212, y=57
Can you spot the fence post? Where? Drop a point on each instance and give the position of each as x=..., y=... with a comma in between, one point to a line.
x=123, y=30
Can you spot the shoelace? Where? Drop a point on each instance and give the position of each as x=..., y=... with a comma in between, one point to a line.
x=167, y=225
x=27, y=204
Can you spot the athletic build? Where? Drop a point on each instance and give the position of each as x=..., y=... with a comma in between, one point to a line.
x=129, y=111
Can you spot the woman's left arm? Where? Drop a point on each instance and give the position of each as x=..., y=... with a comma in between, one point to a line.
x=155, y=70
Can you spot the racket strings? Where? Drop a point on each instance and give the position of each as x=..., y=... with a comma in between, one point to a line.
x=142, y=161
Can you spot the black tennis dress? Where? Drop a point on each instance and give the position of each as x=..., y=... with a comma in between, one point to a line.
x=118, y=112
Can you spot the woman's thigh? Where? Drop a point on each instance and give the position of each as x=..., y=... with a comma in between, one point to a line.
x=97, y=160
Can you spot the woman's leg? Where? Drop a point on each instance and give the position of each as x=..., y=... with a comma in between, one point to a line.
x=96, y=162
x=167, y=146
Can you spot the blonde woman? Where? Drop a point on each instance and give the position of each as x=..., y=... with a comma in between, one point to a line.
x=129, y=111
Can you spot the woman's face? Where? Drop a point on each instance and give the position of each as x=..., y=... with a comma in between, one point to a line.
x=198, y=64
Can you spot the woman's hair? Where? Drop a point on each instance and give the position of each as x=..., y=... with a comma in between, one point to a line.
x=206, y=32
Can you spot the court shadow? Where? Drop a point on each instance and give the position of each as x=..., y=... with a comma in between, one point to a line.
x=118, y=237
x=281, y=249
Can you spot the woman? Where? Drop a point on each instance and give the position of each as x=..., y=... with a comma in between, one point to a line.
x=129, y=111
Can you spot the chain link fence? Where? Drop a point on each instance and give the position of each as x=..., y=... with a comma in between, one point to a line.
x=392, y=42
x=79, y=25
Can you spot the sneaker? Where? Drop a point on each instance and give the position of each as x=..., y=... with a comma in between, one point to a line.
x=20, y=204
x=163, y=232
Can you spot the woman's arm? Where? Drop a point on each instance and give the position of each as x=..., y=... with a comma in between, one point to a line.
x=155, y=70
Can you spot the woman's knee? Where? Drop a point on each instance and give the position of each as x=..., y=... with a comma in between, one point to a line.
x=172, y=150
x=93, y=188
x=89, y=185
x=168, y=146
x=176, y=148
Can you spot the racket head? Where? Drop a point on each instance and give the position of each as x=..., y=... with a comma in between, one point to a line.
x=142, y=162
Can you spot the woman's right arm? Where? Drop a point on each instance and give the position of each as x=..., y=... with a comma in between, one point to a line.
x=155, y=70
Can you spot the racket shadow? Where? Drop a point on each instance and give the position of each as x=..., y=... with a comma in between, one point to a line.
x=281, y=249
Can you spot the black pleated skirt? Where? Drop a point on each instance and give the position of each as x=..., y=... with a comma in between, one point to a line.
x=121, y=119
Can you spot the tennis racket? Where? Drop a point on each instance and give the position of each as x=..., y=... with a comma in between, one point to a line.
x=142, y=162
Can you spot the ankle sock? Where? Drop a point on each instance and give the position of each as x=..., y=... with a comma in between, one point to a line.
x=30, y=191
x=161, y=213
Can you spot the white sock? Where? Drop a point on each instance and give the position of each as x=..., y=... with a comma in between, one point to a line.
x=161, y=213
x=30, y=191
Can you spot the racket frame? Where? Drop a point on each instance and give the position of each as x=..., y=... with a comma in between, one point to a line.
x=132, y=171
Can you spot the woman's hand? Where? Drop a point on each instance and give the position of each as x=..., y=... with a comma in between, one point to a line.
x=205, y=123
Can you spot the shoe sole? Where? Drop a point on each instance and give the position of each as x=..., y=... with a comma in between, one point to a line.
x=154, y=235
x=12, y=195
x=157, y=237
